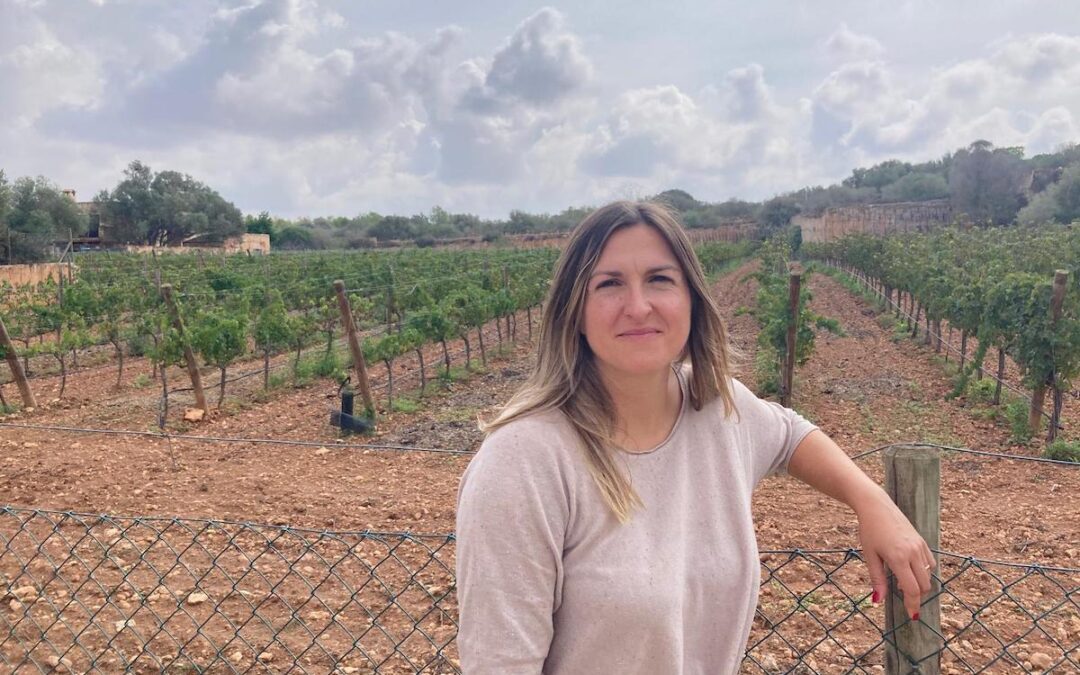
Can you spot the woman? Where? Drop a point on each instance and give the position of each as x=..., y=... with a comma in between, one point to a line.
x=604, y=526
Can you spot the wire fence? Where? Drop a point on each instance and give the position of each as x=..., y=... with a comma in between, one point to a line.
x=94, y=593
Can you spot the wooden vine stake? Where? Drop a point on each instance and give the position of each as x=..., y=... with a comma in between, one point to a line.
x=189, y=356
x=1038, y=395
x=16, y=367
x=787, y=377
x=913, y=481
x=354, y=349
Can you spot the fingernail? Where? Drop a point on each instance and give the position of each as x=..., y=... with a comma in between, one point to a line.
x=876, y=598
x=915, y=616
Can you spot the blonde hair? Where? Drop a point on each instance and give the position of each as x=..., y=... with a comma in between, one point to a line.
x=565, y=376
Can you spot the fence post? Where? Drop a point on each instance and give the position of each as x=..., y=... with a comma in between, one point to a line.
x=1038, y=395
x=787, y=378
x=16, y=367
x=354, y=348
x=189, y=356
x=913, y=481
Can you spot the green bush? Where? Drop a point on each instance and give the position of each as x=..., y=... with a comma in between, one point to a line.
x=1064, y=451
x=1017, y=415
x=328, y=365
x=981, y=391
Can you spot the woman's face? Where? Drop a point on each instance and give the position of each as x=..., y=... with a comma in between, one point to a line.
x=637, y=304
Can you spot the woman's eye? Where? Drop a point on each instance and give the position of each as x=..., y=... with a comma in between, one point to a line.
x=606, y=282
x=662, y=278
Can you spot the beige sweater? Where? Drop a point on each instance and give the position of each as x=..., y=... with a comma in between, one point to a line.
x=548, y=581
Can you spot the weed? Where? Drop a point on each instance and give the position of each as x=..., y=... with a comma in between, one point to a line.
x=405, y=405
x=277, y=380
x=141, y=381
x=1017, y=415
x=831, y=325
x=1064, y=451
x=981, y=391
x=886, y=321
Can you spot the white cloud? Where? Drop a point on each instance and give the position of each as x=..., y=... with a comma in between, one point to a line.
x=289, y=106
x=847, y=45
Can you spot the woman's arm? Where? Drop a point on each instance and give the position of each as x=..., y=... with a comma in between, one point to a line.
x=887, y=536
x=511, y=520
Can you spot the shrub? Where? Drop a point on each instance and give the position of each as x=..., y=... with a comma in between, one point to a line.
x=1017, y=415
x=981, y=391
x=1064, y=451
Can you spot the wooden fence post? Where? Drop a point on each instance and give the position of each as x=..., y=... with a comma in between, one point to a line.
x=189, y=356
x=354, y=349
x=1038, y=395
x=16, y=367
x=787, y=377
x=913, y=481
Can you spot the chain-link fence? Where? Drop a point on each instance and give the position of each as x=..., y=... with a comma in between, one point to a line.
x=88, y=593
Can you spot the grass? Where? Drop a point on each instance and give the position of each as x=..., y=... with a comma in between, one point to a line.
x=406, y=405
x=1064, y=451
x=141, y=381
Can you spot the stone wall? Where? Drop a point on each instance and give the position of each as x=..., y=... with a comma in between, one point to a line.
x=837, y=222
x=18, y=275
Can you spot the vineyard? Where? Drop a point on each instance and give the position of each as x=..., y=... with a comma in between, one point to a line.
x=1010, y=289
x=262, y=540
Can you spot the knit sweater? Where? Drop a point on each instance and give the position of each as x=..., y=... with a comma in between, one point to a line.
x=549, y=581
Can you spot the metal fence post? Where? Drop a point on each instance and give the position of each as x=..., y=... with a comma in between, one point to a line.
x=913, y=481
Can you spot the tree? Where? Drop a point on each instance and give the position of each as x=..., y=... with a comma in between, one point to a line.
x=777, y=213
x=392, y=227
x=293, y=237
x=166, y=208
x=260, y=224
x=5, y=206
x=879, y=175
x=986, y=183
x=916, y=187
x=37, y=215
x=1060, y=202
x=679, y=200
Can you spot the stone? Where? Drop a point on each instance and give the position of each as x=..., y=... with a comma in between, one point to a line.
x=266, y=657
x=237, y=656
x=197, y=598
x=1041, y=660
x=194, y=415
x=322, y=451
x=25, y=593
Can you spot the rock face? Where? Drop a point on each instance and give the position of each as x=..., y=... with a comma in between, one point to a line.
x=837, y=222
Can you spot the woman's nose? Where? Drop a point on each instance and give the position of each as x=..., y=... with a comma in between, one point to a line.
x=637, y=301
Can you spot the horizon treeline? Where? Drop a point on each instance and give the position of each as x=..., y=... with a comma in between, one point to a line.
x=986, y=185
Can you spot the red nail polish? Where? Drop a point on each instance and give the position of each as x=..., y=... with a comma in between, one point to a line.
x=915, y=617
x=876, y=598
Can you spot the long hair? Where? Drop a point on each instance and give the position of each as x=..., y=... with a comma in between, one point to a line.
x=566, y=377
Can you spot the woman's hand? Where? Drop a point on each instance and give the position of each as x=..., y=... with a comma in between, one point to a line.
x=888, y=539
x=887, y=536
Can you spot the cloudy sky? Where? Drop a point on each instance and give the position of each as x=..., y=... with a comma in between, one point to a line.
x=317, y=107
